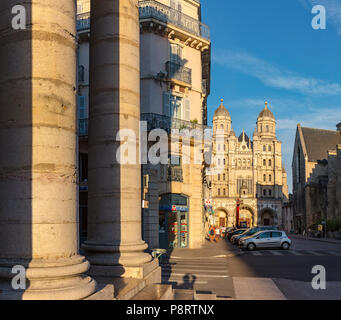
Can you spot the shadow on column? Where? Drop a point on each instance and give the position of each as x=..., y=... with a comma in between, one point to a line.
x=16, y=150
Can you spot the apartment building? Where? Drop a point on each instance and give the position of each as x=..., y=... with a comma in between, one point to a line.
x=175, y=83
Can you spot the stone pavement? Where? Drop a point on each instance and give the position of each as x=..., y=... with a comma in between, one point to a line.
x=205, y=272
x=223, y=271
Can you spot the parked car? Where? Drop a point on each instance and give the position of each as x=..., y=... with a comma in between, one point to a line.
x=229, y=232
x=236, y=232
x=266, y=239
x=251, y=232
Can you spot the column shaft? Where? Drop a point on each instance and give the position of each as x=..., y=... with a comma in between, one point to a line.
x=38, y=208
x=114, y=246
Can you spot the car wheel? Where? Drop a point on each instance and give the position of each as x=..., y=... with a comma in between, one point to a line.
x=285, y=246
x=251, y=247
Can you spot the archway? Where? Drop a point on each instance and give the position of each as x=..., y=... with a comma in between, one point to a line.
x=221, y=217
x=246, y=216
x=268, y=217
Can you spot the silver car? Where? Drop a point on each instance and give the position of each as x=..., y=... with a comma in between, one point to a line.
x=266, y=239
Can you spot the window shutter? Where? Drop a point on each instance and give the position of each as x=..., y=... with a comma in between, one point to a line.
x=81, y=108
x=166, y=104
x=187, y=109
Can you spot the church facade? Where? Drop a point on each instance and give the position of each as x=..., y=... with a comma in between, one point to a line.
x=248, y=181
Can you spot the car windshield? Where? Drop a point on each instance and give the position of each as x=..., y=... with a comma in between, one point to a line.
x=257, y=233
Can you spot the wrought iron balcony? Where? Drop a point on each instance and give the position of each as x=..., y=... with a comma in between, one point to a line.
x=179, y=72
x=156, y=10
x=175, y=174
x=83, y=21
x=83, y=127
x=153, y=9
x=157, y=121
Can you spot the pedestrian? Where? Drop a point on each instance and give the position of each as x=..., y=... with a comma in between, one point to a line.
x=217, y=234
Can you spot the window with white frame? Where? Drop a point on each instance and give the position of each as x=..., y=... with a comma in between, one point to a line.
x=175, y=53
x=176, y=107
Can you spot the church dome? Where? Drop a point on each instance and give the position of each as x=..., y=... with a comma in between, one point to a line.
x=222, y=111
x=266, y=113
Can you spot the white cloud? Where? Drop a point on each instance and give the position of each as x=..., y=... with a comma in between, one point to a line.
x=274, y=76
x=322, y=118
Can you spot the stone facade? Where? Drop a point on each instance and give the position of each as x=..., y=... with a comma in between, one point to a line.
x=316, y=176
x=246, y=171
x=175, y=84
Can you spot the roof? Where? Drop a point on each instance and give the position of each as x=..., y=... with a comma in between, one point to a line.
x=319, y=141
x=266, y=113
x=222, y=111
x=240, y=138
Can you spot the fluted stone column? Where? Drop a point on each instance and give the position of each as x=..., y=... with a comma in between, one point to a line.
x=38, y=220
x=114, y=246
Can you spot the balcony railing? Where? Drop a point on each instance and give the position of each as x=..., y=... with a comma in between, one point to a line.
x=157, y=121
x=83, y=21
x=175, y=174
x=168, y=15
x=154, y=121
x=153, y=9
x=83, y=127
x=179, y=72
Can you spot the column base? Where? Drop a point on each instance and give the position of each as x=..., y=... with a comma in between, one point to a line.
x=125, y=261
x=127, y=288
x=138, y=272
x=47, y=279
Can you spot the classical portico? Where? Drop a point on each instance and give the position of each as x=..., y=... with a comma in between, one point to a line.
x=38, y=190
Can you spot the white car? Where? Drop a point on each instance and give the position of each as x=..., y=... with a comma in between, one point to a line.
x=266, y=239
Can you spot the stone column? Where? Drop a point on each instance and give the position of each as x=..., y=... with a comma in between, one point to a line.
x=114, y=246
x=38, y=217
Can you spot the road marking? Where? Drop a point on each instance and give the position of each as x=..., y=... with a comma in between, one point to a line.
x=200, y=275
x=199, y=258
x=255, y=253
x=296, y=253
x=178, y=282
x=315, y=253
x=256, y=289
x=194, y=271
x=276, y=253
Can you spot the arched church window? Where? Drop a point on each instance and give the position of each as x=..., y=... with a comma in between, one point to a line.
x=270, y=163
x=270, y=177
x=264, y=178
x=264, y=148
x=269, y=148
x=267, y=128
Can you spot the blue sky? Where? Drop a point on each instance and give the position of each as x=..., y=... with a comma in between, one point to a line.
x=268, y=50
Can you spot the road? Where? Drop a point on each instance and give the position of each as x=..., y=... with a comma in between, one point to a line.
x=228, y=272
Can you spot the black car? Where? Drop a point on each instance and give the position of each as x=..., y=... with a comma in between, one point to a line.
x=251, y=232
x=236, y=232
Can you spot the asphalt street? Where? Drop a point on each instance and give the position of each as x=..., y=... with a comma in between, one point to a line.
x=229, y=272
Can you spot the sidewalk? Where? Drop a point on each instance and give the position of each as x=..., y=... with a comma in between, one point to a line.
x=328, y=240
x=208, y=250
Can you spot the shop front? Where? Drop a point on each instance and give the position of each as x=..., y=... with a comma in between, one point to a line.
x=173, y=221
